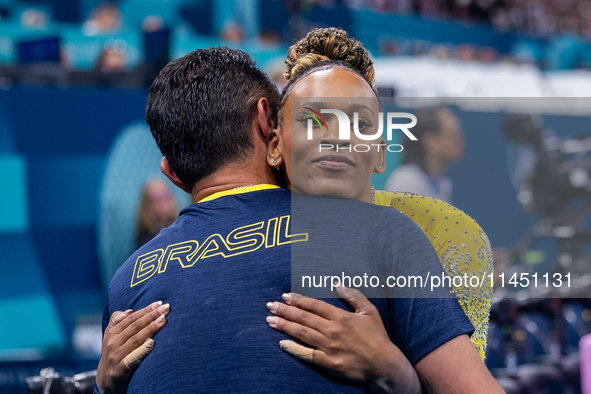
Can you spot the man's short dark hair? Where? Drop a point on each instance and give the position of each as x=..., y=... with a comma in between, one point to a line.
x=200, y=110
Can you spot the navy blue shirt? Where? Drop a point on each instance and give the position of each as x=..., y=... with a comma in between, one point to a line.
x=223, y=260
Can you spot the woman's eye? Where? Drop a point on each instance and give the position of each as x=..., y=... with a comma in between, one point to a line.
x=364, y=123
x=305, y=117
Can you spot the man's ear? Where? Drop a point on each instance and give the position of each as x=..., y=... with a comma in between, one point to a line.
x=262, y=118
x=275, y=148
x=167, y=170
x=380, y=165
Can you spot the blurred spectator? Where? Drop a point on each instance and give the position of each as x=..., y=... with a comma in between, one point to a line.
x=441, y=51
x=440, y=142
x=584, y=9
x=270, y=37
x=275, y=73
x=105, y=18
x=542, y=18
x=232, y=32
x=112, y=57
x=110, y=61
x=428, y=8
x=386, y=6
x=486, y=54
x=158, y=210
x=152, y=23
x=33, y=18
x=466, y=52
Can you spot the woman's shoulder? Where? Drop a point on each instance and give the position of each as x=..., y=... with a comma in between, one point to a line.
x=423, y=208
x=452, y=232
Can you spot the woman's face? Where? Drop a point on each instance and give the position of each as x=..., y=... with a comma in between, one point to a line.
x=341, y=168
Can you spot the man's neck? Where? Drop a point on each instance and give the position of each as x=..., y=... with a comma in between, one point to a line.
x=230, y=177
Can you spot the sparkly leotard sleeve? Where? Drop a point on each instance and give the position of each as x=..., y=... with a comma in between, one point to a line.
x=462, y=247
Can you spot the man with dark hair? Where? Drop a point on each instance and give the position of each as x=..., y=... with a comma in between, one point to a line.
x=200, y=112
x=440, y=142
x=229, y=253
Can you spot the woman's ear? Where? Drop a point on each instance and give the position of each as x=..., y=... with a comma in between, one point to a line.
x=275, y=148
x=380, y=165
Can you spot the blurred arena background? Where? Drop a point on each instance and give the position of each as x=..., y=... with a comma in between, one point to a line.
x=75, y=152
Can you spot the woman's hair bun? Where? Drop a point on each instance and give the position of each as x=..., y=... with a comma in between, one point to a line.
x=328, y=44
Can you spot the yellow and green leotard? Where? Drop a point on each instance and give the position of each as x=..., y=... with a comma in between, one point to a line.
x=462, y=247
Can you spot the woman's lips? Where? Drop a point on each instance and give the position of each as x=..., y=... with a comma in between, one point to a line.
x=334, y=162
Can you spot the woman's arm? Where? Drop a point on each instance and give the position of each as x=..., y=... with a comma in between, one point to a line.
x=352, y=346
x=456, y=368
x=355, y=346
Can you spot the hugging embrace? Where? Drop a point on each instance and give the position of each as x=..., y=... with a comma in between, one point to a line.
x=209, y=307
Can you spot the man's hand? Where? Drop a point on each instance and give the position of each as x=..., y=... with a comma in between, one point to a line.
x=126, y=342
x=353, y=346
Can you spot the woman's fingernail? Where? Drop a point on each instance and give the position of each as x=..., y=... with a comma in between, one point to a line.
x=164, y=308
x=156, y=304
x=160, y=320
x=119, y=316
x=272, y=319
x=149, y=344
x=271, y=306
x=128, y=311
x=286, y=297
x=345, y=292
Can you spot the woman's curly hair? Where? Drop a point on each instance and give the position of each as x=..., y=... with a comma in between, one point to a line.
x=326, y=45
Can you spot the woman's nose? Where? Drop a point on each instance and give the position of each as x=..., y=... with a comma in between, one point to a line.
x=333, y=139
x=330, y=130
